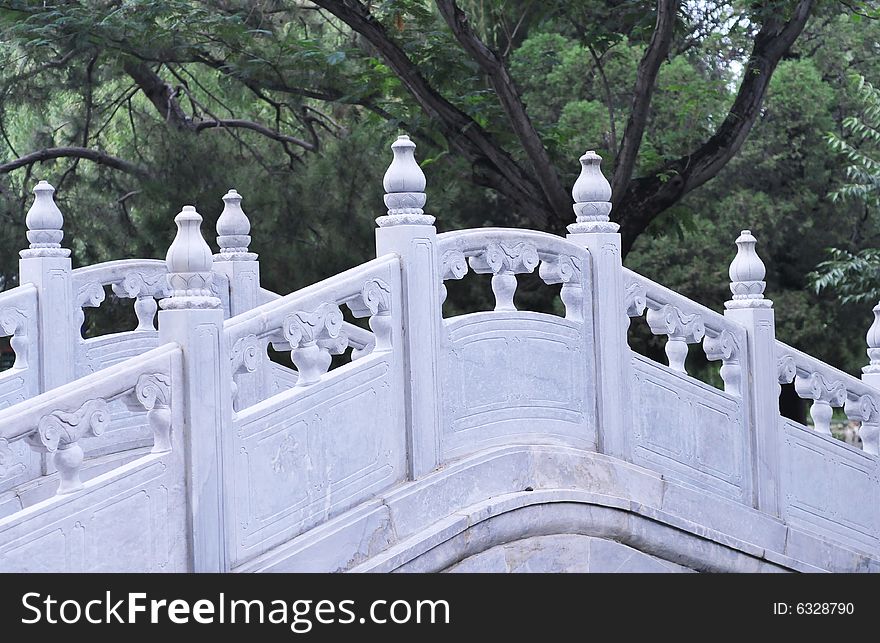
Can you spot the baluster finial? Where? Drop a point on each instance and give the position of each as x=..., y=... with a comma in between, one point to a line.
x=873, y=338
x=404, y=184
x=189, y=265
x=44, y=223
x=747, y=275
x=233, y=230
x=592, y=198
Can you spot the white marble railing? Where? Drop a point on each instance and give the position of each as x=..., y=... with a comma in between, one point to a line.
x=18, y=316
x=829, y=388
x=55, y=422
x=273, y=451
x=505, y=253
x=309, y=323
x=684, y=322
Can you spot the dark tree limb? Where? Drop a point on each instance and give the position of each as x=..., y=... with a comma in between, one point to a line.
x=643, y=92
x=494, y=67
x=96, y=156
x=646, y=197
x=492, y=166
x=256, y=127
x=161, y=94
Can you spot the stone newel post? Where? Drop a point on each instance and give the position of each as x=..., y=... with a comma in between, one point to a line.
x=242, y=271
x=192, y=317
x=595, y=231
x=409, y=232
x=47, y=265
x=869, y=431
x=760, y=383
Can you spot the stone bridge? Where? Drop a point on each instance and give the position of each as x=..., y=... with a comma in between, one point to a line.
x=403, y=439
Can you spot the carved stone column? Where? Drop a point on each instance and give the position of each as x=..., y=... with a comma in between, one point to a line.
x=191, y=316
x=47, y=265
x=594, y=231
x=760, y=388
x=409, y=232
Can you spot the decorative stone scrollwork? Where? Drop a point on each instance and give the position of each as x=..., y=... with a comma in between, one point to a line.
x=306, y=331
x=144, y=288
x=786, y=369
x=6, y=457
x=866, y=410
x=44, y=223
x=504, y=262
x=374, y=301
x=404, y=184
x=635, y=300
x=681, y=329
x=825, y=395
x=152, y=392
x=376, y=294
x=14, y=322
x=565, y=270
x=189, y=262
x=90, y=295
x=453, y=265
x=592, y=198
x=724, y=347
x=245, y=356
x=59, y=433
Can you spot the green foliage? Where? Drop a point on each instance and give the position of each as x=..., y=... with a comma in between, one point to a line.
x=855, y=277
x=860, y=146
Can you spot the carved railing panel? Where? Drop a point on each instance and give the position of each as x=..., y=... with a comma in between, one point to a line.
x=309, y=323
x=685, y=322
x=55, y=422
x=829, y=388
x=505, y=253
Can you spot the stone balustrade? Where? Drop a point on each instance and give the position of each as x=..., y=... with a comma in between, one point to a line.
x=186, y=440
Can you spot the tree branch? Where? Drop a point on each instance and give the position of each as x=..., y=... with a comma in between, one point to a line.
x=609, y=98
x=262, y=129
x=492, y=165
x=643, y=92
x=511, y=102
x=158, y=92
x=96, y=156
x=646, y=197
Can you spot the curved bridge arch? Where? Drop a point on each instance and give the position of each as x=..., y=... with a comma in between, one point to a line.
x=510, y=495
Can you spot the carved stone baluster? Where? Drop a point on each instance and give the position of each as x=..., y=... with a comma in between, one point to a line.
x=90, y=295
x=59, y=433
x=245, y=357
x=13, y=321
x=143, y=288
x=680, y=328
x=453, y=265
x=504, y=262
x=566, y=270
x=865, y=409
x=724, y=346
x=825, y=395
x=635, y=301
x=376, y=294
x=785, y=372
x=306, y=332
x=153, y=393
